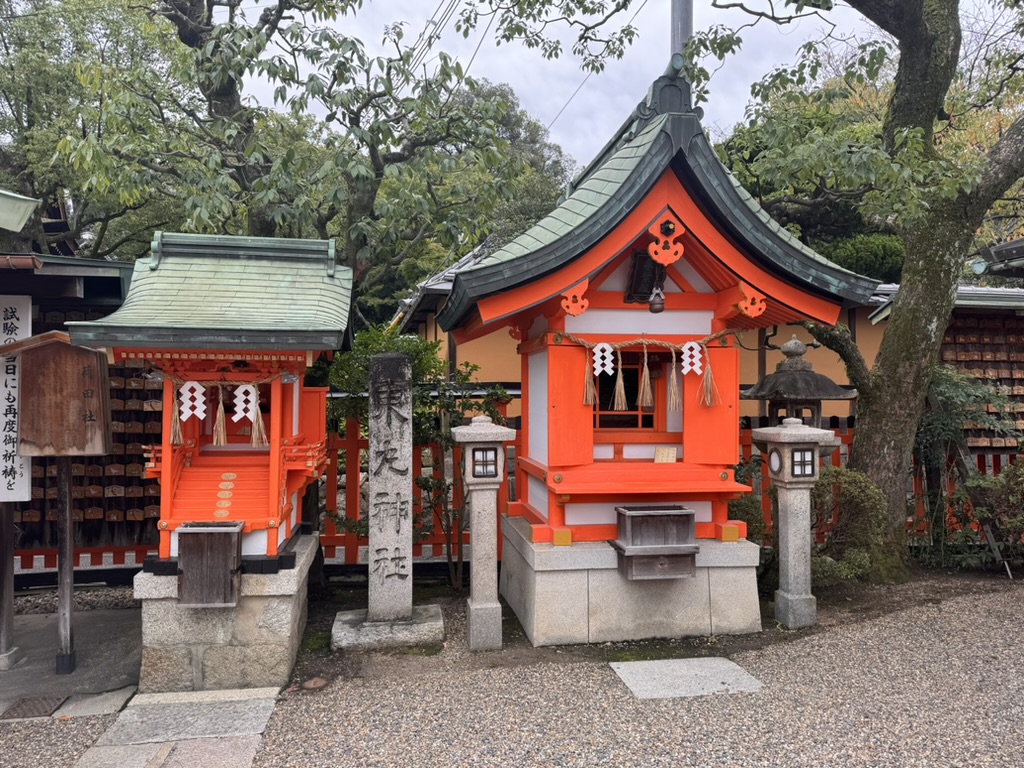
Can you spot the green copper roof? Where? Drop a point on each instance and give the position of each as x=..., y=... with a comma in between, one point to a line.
x=663, y=133
x=216, y=291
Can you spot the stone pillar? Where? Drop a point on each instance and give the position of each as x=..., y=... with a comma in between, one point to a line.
x=390, y=620
x=390, y=483
x=484, y=462
x=793, y=450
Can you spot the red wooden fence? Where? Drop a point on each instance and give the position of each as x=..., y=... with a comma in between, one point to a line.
x=343, y=546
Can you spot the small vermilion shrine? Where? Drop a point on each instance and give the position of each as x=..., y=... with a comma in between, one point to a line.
x=625, y=301
x=230, y=324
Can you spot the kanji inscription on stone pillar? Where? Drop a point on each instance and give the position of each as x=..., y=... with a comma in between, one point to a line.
x=390, y=482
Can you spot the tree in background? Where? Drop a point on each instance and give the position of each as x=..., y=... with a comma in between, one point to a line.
x=43, y=45
x=378, y=151
x=933, y=180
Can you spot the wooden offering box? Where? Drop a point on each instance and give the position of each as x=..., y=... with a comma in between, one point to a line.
x=210, y=564
x=656, y=542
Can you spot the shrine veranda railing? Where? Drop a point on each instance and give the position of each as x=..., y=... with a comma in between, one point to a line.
x=344, y=481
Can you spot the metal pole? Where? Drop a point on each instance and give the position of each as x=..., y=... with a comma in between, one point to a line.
x=65, y=569
x=9, y=655
x=682, y=24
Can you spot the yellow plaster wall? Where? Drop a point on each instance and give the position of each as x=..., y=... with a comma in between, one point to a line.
x=495, y=353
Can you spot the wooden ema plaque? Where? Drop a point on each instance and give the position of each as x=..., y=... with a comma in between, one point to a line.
x=65, y=408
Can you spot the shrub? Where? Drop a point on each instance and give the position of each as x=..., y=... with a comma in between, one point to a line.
x=853, y=513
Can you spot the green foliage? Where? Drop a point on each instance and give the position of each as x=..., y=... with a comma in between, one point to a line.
x=999, y=503
x=350, y=376
x=48, y=46
x=956, y=402
x=853, y=512
x=827, y=572
x=748, y=508
x=876, y=255
x=996, y=502
x=405, y=155
x=955, y=535
x=531, y=22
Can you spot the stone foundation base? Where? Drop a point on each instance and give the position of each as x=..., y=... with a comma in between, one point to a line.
x=575, y=594
x=351, y=630
x=252, y=645
x=10, y=658
x=795, y=611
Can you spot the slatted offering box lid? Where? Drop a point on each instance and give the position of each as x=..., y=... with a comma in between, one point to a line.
x=65, y=398
x=656, y=542
x=656, y=530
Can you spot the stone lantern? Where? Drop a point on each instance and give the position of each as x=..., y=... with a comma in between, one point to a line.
x=484, y=460
x=793, y=450
x=795, y=388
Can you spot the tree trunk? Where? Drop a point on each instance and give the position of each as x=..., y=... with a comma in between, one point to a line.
x=886, y=418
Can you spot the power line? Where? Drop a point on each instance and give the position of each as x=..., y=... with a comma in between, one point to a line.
x=589, y=75
x=480, y=43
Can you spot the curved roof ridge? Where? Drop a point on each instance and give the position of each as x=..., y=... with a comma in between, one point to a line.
x=664, y=132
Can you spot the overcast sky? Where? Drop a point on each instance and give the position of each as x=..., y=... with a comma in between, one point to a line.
x=606, y=100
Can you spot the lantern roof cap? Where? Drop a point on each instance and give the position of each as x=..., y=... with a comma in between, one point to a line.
x=225, y=292
x=794, y=379
x=794, y=432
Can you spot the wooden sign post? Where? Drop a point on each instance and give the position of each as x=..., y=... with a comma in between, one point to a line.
x=65, y=412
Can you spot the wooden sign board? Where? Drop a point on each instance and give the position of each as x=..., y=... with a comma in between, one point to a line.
x=65, y=399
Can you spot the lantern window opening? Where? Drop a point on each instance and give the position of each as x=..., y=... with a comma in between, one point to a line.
x=635, y=417
x=803, y=462
x=485, y=462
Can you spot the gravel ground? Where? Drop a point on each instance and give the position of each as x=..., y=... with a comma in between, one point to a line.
x=935, y=684
x=905, y=675
x=86, y=599
x=48, y=742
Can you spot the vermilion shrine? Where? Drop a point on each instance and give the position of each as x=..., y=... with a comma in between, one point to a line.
x=231, y=325
x=624, y=301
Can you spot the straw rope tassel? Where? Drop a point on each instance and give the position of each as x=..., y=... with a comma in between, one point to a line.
x=646, y=395
x=176, y=436
x=589, y=385
x=620, y=386
x=675, y=402
x=259, y=431
x=220, y=433
x=709, y=391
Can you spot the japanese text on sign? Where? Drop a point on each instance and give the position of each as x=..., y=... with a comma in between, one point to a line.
x=15, y=325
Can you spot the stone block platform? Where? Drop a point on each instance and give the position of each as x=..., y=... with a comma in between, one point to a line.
x=252, y=645
x=575, y=594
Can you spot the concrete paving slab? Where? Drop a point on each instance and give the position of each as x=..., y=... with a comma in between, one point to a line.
x=201, y=697
x=108, y=648
x=231, y=752
x=133, y=756
x=677, y=678
x=177, y=722
x=89, y=704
